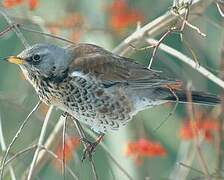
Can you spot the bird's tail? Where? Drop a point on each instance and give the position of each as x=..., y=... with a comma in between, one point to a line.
x=197, y=97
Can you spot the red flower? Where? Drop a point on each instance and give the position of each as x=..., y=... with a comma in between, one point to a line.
x=144, y=148
x=123, y=16
x=12, y=3
x=201, y=125
x=71, y=144
x=33, y=4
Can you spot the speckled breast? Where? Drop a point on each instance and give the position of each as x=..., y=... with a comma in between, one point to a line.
x=100, y=106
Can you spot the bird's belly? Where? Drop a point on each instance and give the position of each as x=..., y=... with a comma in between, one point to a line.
x=102, y=112
x=90, y=103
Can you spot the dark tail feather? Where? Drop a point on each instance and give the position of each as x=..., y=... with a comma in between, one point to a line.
x=197, y=97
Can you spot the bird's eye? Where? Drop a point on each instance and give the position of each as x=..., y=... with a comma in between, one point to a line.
x=36, y=58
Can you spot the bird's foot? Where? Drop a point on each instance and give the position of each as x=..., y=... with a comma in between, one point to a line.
x=90, y=147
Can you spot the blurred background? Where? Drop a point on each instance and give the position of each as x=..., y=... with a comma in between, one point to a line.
x=145, y=151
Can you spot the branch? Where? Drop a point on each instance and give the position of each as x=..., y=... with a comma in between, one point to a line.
x=189, y=62
x=83, y=136
x=40, y=143
x=15, y=138
x=220, y=137
x=3, y=146
x=51, y=143
x=152, y=29
x=33, y=147
x=111, y=156
x=15, y=28
x=158, y=26
x=198, y=140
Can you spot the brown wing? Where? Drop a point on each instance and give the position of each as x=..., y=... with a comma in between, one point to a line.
x=112, y=68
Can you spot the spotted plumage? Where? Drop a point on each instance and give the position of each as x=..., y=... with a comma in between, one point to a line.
x=97, y=87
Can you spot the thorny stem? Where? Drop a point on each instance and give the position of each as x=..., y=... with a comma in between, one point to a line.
x=157, y=27
x=15, y=138
x=175, y=29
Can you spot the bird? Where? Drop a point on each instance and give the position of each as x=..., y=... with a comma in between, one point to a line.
x=97, y=87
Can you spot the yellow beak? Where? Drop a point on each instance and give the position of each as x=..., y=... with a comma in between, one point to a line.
x=16, y=60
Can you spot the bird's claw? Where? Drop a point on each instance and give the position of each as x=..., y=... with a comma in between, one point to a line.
x=89, y=149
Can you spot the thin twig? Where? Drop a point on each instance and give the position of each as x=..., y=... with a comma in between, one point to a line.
x=196, y=133
x=3, y=146
x=6, y=30
x=57, y=158
x=189, y=62
x=171, y=112
x=186, y=154
x=151, y=29
x=15, y=28
x=220, y=136
x=166, y=34
x=157, y=27
x=220, y=6
x=20, y=153
x=55, y=135
x=194, y=169
x=185, y=21
x=174, y=29
x=44, y=33
x=189, y=48
x=26, y=150
x=198, y=171
x=15, y=138
x=83, y=136
x=40, y=142
x=111, y=156
x=51, y=142
x=63, y=146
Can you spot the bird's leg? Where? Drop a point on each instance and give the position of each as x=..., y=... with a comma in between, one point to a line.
x=91, y=146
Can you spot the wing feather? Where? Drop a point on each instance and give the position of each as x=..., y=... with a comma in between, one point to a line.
x=108, y=67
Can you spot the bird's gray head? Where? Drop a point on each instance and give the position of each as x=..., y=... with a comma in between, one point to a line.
x=44, y=59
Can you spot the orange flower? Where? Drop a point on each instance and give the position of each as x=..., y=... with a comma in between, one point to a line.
x=144, y=148
x=123, y=16
x=33, y=4
x=201, y=125
x=12, y=3
x=71, y=144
